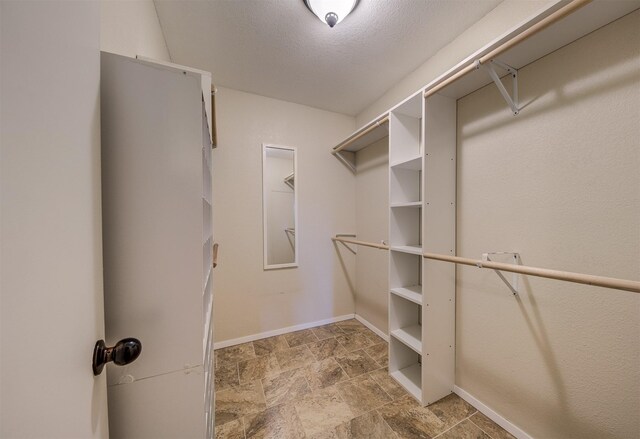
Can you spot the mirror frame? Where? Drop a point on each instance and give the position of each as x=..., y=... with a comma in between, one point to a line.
x=265, y=244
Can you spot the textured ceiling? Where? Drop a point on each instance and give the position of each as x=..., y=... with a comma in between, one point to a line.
x=277, y=48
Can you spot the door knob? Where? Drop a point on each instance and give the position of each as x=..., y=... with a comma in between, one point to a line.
x=124, y=352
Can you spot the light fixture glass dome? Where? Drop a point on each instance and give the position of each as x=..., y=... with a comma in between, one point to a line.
x=331, y=12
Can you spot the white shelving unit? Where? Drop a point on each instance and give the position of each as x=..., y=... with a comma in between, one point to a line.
x=405, y=244
x=158, y=239
x=422, y=215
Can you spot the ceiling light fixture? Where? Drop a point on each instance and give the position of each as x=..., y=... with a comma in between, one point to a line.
x=331, y=12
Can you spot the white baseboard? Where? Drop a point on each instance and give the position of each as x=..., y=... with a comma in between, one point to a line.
x=373, y=328
x=254, y=337
x=489, y=413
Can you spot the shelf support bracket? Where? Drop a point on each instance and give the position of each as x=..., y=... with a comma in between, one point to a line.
x=515, y=257
x=348, y=159
x=512, y=100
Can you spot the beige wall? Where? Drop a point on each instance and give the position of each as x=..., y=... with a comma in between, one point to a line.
x=504, y=17
x=372, y=224
x=249, y=300
x=51, y=311
x=130, y=28
x=560, y=184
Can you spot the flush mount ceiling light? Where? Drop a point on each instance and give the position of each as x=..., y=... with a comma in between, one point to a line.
x=331, y=12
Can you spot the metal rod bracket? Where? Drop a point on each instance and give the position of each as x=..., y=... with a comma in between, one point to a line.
x=512, y=100
x=347, y=235
x=513, y=285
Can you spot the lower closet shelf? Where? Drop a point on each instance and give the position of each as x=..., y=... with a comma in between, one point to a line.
x=410, y=336
x=412, y=293
x=412, y=249
x=411, y=379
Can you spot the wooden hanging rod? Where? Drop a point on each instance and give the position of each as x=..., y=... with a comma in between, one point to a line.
x=363, y=243
x=580, y=278
x=530, y=31
x=364, y=131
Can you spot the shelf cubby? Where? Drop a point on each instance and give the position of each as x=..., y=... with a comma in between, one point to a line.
x=405, y=227
x=404, y=322
x=405, y=367
x=405, y=127
x=404, y=269
x=405, y=185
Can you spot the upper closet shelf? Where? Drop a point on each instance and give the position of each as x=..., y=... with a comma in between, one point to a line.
x=414, y=164
x=365, y=136
x=551, y=28
x=529, y=41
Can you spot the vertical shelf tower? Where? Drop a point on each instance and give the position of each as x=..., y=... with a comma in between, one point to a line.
x=158, y=238
x=422, y=170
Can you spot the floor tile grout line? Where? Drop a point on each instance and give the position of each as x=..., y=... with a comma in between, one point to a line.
x=471, y=420
x=244, y=430
x=342, y=368
x=377, y=410
x=380, y=385
x=264, y=395
x=365, y=352
x=457, y=423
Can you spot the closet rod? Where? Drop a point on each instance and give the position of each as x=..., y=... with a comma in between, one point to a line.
x=534, y=29
x=363, y=243
x=587, y=279
x=366, y=130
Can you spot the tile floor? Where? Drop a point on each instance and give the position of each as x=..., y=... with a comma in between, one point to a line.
x=329, y=382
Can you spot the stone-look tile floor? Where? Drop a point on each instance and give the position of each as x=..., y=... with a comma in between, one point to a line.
x=329, y=382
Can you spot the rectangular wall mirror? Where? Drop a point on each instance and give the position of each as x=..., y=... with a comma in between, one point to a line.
x=280, y=206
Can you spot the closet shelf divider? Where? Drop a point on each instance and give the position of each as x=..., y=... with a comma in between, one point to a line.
x=412, y=293
x=411, y=336
x=414, y=204
x=413, y=164
x=411, y=249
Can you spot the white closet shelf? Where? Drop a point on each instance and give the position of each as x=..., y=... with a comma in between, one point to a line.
x=413, y=164
x=411, y=379
x=414, y=204
x=411, y=336
x=365, y=136
x=412, y=249
x=207, y=279
x=412, y=293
